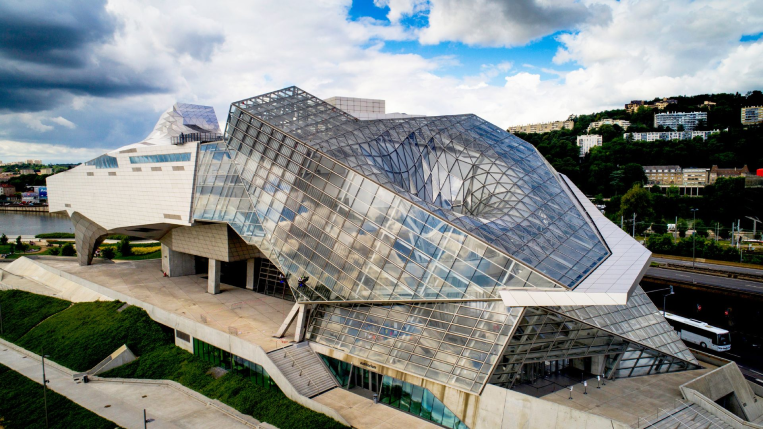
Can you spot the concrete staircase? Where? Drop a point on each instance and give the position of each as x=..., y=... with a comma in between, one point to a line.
x=689, y=416
x=304, y=369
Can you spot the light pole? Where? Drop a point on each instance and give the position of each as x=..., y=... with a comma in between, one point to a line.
x=45, y=382
x=664, y=297
x=693, y=237
x=755, y=221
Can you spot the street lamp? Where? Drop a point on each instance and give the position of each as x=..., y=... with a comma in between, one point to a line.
x=664, y=297
x=45, y=382
x=694, y=237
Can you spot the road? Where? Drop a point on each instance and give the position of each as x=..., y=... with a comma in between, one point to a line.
x=728, y=268
x=717, y=281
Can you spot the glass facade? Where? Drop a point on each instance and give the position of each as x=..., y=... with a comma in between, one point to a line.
x=453, y=343
x=219, y=357
x=104, y=161
x=396, y=393
x=165, y=157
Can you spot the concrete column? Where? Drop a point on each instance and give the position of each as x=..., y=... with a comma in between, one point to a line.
x=213, y=282
x=88, y=235
x=250, y=273
x=176, y=264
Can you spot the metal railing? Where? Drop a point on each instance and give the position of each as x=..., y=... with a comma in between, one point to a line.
x=196, y=137
x=671, y=414
x=301, y=370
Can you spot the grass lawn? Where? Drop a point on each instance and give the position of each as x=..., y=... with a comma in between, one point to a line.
x=85, y=333
x=22, y=311
x=21, y=406
x=267, y=405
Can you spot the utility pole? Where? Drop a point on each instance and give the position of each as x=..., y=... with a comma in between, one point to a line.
x=622, y=220
x=694, y=238
x=634, y=224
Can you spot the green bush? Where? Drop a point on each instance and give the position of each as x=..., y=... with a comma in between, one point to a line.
x=124, y=247
x=267, y=405
x=22, y=311
x=81, y=336
x=68, y=250
x=55, y=235
x=55, y=251
x=21, y=406
x=108, y=252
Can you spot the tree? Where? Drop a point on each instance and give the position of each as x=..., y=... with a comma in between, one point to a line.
x=682, y=226
x=108, y=252
x=124, y=247
x=18, y=241
x=637, y=200
x=661, y=243
x=68, y=250
x=4, y=240
x=55, y=251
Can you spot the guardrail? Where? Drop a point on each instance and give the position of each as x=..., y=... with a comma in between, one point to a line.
x=301, y=370
x=196, y=137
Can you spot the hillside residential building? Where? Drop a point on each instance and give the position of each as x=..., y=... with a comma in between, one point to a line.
x=46, y=171
x=543, y=128
x=34, y=161
x=665, y=102
x=689, y=120
x=663, y=174
x=752, y=115
x=669, y=135
x=622, y=123
x=7, y=190
x=27, y=171
x=695, y=176
x=418, y=255
x=588, y=141
x=634, y=105
x=717, y=172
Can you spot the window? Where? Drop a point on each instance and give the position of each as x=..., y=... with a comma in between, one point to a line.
x=228, y=361
x=167, y=157
x=103, y=161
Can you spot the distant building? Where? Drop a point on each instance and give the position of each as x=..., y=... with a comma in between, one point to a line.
x=695, y=176
x=663, y=174
x=717, y=172
x=623, y=124
x=7, y=190
x=689, y=120
x=708, y=103
x=665, y=103
x=752, y=115
x=669, y=135
x=543, y=128
x=587, y=141
x=27, y=171
x=30, y=197
x=366, y=108
x=46, y=171
x=635, y=104
x=34, y=161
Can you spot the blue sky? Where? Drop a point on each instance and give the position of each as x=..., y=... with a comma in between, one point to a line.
x=84, y=77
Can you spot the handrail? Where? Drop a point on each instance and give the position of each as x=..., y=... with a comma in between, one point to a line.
x=671, y=414
x=301, y=370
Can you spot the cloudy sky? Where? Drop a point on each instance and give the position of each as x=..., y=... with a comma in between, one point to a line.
x=78, y=78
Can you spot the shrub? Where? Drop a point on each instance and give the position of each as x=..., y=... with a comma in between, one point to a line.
x=68, y=250
x=55, y=251
x=108, y=252
x=145, y=250
x=55, y=235
x=124, y=247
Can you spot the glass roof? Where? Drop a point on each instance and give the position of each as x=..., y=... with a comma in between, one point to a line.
x=462, y=169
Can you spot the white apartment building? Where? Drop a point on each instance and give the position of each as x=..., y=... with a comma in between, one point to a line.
x=669, y=135
x=689, y=120
x=695, y=176
x=752, y=115
x=622, y=123
x=586, y=142
x=543, y=127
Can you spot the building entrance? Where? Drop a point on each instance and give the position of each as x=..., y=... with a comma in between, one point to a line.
x=365, y=382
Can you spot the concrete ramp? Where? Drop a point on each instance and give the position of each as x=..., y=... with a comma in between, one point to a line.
x=121, y=356
x=49, y=283
x=304, y=369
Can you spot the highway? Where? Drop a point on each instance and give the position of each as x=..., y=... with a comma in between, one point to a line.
x=719, y=267
x=704, y=279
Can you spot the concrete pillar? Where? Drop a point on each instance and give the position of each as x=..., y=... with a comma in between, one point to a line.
x=288, y=320
x=213, y=282
x=88, y=235
x=176, y=264
x=250, y=273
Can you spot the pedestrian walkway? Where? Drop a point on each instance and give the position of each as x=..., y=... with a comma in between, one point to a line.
x=123, y=403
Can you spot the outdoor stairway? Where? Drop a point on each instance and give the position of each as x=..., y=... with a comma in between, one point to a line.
x=687, y=416
x=304, y=369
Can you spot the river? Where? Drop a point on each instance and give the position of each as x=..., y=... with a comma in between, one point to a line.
x=14, y=224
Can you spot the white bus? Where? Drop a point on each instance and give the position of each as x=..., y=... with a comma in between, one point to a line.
x=700, y=333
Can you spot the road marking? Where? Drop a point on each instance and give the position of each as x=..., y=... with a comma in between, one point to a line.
x=731, y=354
x=757, y=379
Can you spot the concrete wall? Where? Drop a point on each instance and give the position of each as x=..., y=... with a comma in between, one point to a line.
x=723, y=381
x=205, y=333
x=176, y=264
x=216, y=241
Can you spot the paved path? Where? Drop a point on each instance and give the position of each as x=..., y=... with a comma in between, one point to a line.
x=122, y=403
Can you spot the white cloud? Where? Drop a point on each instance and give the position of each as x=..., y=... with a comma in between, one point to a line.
x=60, y=120
x=20, y=151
